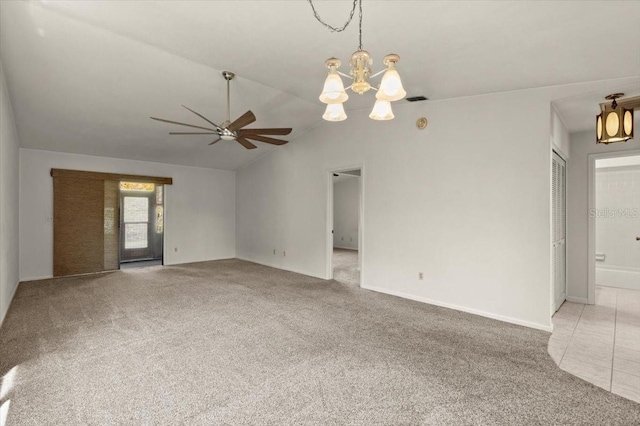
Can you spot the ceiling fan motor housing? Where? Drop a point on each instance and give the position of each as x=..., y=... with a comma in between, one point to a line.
x=227, y=135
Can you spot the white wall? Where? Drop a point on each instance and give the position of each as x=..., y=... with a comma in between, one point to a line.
x=9, y=239
x=466, y=201
x=199, y=208
x=582, y=145
x=346, y=202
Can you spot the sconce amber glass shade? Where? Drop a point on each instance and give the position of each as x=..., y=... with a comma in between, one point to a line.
x=614, y=125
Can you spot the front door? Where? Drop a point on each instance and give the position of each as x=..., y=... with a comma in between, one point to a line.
x=136, y=218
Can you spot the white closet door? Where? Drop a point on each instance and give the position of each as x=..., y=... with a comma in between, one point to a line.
x=559, y=208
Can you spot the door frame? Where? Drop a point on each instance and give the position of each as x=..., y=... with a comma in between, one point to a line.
x=591, y=252
x=329, y=220
x=152, y=223
x=564, y=158
x=122, y=226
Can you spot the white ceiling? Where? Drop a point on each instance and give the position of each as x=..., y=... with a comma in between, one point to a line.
x=84, y=76
x=578, y=113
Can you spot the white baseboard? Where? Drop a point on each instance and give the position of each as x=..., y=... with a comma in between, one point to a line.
x=45, y=277
x=503, y=318
x=284, y=268
x=198, y=261
x=582, y=300
x=3, y=315
x=346, y=248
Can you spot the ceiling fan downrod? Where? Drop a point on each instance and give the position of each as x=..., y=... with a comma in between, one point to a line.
x=228, y=75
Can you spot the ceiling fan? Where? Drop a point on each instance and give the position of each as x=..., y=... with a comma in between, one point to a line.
x=229, y=131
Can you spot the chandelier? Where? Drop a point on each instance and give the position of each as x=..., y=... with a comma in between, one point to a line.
x=615, y=122
x=334, y=93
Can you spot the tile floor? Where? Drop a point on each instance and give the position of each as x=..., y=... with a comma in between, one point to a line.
x=601, y=343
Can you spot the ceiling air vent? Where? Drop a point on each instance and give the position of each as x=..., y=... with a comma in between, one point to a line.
x=417, y=98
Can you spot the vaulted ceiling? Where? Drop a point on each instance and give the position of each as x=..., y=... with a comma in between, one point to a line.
x=85, y=76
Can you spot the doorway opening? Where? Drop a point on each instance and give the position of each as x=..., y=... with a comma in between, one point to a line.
x=614, y=222
x=141, y=224
x=345, y=225
x=617, y=222
x=598, y=341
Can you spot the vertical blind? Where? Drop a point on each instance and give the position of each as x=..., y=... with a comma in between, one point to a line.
x=111, y=225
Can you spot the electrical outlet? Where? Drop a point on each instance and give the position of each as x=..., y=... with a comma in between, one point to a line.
x=420, y=276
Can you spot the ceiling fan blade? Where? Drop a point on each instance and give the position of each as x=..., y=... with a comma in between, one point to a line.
x=181, y=124
x=265, y=139
x=217, y=140
x=275, y=131
x=193, y=133
x=202, y=116
x=246, y=119
x=242, y=141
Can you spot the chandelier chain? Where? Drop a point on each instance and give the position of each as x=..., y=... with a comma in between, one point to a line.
x=356, y=3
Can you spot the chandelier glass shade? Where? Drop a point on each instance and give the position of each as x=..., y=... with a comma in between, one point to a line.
x=391, y=86
x=382, y=111
x=614, y=123
x=334, y=112
x=333, y=91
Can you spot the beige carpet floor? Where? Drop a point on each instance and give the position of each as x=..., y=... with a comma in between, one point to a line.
x=231, y=342
x=345, y=266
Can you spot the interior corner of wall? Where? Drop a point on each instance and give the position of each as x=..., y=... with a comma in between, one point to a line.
x=6, y=305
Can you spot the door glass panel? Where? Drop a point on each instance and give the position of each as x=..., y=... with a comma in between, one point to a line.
x=136, y=218
x=135, y=236
x=136, y=209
